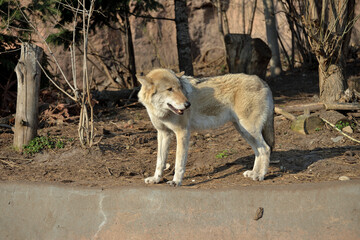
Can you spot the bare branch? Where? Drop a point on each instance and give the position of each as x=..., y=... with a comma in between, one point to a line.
x=73, y=53
x=251, y=19
x=55, y=84
x=151, y=17
x=48, y=47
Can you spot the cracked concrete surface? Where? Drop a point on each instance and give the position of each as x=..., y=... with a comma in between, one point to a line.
x=303, y=211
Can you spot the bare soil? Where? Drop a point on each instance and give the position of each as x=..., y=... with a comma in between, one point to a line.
x=217, y=158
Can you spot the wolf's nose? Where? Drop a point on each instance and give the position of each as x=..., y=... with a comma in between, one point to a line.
x=187, y=104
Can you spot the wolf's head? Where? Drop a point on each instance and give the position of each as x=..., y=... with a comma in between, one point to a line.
x=163, y=91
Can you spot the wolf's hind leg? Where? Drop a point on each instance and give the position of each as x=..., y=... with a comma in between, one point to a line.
x=254, y=137
x=163, y=150
x=261, y=164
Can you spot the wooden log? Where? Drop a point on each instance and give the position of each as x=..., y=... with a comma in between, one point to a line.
x=284, y=113
x=343, y=106
x=28, y=74
x=333, y=116
x=357, y=114
x=312, y=107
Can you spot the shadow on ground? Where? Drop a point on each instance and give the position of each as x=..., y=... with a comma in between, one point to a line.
x=299, y=161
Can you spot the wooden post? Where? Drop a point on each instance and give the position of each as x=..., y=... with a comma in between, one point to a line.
x=28, y=74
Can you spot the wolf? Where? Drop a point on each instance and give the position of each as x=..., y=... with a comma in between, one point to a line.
x=177, y=104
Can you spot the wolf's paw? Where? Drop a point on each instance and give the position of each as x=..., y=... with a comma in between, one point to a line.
x=174, y=183
x=254, y=175
x=152, y=180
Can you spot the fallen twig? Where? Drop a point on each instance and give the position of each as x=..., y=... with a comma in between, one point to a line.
x=128, y=105
x=97, y=142
x=109, y=171
x=7, y=126
x=8, y=163
x=171, y=172
x=22, y=159
x=332, y=125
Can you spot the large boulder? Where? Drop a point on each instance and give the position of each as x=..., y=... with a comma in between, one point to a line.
x=247, y=55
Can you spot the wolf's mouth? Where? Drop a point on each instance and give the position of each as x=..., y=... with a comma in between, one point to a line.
x=175, y=110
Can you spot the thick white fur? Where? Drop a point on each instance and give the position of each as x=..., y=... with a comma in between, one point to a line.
x=244, y=100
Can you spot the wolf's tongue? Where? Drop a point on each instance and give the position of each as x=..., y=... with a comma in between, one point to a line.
x=175, y=110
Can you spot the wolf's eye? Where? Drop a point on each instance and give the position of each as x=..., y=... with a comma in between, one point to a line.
x=170, y=89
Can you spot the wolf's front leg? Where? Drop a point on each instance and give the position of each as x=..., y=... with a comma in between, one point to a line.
x=163, y=139
x=182, y=146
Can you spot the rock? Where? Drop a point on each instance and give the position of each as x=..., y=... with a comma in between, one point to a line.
x=337, y=139
x=236, y=139
x=167, y=167
x=347, y=129
x=247, y=55
x=344, y=178
x=192, y=143
x=259, y=213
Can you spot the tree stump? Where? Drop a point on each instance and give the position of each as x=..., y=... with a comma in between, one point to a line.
x=307, y=124
x=304, y=124
x=331, y=82
x=28, y=74
x=247, y=55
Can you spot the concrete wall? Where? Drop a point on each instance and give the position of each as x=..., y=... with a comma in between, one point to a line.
x=306, y=211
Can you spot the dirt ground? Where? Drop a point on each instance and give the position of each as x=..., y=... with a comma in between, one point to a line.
x=217, y=158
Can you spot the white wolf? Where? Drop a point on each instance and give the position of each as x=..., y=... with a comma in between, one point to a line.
x=244, y=100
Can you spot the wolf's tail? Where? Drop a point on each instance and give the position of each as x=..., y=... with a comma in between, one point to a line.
x=268, y=130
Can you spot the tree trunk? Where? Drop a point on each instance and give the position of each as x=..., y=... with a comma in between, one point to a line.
x=220, y=17
x=130, y=52
x=332, y=57
x=331, y=82
x=183, y=37
x=28, y=74
x=251, y=19
x=223, y=26
x=271, y=34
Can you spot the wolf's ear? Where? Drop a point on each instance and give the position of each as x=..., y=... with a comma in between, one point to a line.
x=143, y=80
x=180, y=74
